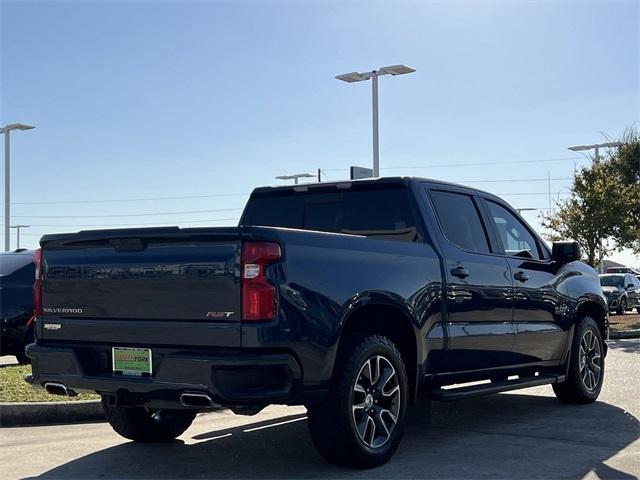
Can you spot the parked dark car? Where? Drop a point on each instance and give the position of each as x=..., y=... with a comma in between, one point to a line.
x=622, y=291
x=16, y=303
x=345, y=297
x=630, y=270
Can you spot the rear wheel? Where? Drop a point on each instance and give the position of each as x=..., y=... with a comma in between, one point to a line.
x=361, y=422
x=622, y=309
x=586, y=368
x=148, y=425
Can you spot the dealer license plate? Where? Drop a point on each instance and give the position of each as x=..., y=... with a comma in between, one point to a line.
x=131, y=361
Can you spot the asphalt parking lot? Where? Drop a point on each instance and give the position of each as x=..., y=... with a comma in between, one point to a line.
x=525, y=434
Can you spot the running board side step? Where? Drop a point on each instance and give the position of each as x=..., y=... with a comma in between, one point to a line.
x=471, y=391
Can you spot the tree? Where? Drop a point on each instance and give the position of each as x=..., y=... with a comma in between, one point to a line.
x=624, y=167
x=604, y=204
x=586, y=216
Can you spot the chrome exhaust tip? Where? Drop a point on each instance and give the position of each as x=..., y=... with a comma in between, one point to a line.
x=198, y=400
x=54, y=388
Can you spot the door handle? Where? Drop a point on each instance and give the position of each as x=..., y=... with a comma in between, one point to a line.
x=460, y=272
x=521, y=276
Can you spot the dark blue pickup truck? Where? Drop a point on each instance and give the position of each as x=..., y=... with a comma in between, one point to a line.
x=349, y=298
x=16, y=303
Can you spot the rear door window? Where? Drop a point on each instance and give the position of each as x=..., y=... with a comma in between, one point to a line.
x=460, y=220
x=383, y=213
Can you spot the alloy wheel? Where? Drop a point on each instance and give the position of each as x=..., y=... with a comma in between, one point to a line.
x=590, y=361
x=376, y=401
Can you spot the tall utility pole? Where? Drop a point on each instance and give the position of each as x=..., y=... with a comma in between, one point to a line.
x=18, y=227
x=549, y=189
x=373, y=75
x=7, y=178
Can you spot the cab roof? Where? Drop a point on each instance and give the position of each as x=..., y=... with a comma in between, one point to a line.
x=364, y=183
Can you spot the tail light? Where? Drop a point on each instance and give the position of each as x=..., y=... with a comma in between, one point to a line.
x=37, y=284
x=258, y=295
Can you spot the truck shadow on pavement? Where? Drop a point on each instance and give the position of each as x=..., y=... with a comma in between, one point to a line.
x=501, y=436
x=627, y=346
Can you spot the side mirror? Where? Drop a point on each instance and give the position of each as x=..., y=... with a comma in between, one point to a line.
x=565, y=252
x=629, y=285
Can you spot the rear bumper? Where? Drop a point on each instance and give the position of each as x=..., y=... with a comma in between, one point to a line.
x=229, y=378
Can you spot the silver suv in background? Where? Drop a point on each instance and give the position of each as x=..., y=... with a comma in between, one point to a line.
x=622, y=291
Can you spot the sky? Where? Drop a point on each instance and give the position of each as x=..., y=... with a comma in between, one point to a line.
x=138, y=104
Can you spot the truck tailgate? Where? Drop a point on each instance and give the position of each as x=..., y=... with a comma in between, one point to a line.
x=162, y=278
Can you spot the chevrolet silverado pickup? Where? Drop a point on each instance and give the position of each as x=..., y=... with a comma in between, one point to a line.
x=349, y=298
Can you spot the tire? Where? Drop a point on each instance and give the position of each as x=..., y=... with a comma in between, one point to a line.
x=145, y=425
x=29, y=337
x=622, y=309
x=586, y=366
x=361, y=422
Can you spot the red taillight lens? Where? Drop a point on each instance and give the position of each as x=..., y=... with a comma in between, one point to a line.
x=258, y=295
x=37, y=283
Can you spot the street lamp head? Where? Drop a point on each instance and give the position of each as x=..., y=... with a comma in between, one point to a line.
x=582, y=148
x=579, y=148
x=295, y=176
x=15, y=126
x=353, y=77
x=359, y=77
x=18, y=126
x=396, y=70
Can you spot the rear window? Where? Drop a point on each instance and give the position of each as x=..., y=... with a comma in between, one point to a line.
x=612, y=281
x=12, y=262
x=372, y=213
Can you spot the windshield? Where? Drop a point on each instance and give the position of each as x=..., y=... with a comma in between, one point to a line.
x=612, y=281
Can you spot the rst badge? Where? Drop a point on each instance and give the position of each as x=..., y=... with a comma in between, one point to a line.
x=220, y=314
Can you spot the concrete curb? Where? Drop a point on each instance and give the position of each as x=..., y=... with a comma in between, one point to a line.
x=616, y=334
x=47, y=413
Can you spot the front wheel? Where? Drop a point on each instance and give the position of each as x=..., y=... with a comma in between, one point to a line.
x=148, y=425
x=622, y=309
x=361, y=422
x=586, y=365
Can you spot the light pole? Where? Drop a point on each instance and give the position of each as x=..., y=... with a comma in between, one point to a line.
x=596, y=147
x=373, y=75
x=7, y=177
x=18, y=227
x=295, y=177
